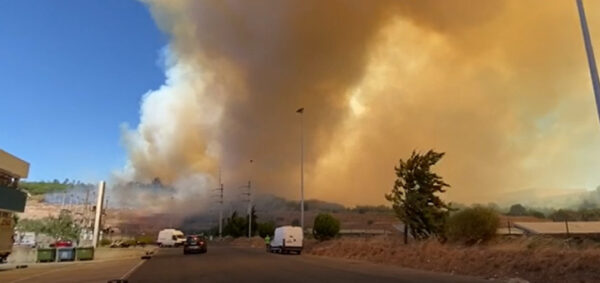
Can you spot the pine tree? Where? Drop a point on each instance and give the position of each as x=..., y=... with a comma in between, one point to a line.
x=414, y=198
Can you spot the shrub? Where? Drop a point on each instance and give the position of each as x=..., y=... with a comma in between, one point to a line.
x=517, y=210
x=472, y=225
x=105, y=242
x=325, y=227
x=266, y=228
x=536, y=214
x=145, y=240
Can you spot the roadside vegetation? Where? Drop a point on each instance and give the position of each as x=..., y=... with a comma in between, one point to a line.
x=47, y=187
x=325, y=227
x=237, y=226
x=61, y=227
x=415, y=197
x=472, y=225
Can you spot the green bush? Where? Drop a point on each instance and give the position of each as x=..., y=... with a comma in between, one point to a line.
x=145, y=240
x=105, y=242
x=266, y=228
x=325, y=227
x=61, y=227
x=472, y=225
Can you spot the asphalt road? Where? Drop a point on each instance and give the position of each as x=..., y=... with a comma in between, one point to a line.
x=232, y=264
x=72, y=272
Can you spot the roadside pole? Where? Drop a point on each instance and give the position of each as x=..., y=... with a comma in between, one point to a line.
x=301, y=112
x=249, y=209
x=590, y=54
x=99, y=204
x=221, y=214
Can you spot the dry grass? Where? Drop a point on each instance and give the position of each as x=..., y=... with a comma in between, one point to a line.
x=534, y=259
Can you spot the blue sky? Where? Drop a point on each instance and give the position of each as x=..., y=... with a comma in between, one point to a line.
x=70, y=73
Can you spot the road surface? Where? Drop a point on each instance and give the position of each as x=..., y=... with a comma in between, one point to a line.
x=71, y=272
x=233, y=264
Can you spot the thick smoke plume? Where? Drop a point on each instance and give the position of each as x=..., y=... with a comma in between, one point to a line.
x=501, y=86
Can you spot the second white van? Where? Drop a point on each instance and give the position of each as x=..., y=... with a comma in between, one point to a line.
x=170, y=238
x=287, y=239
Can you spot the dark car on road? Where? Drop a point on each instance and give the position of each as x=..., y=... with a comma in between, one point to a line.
x=194, y=244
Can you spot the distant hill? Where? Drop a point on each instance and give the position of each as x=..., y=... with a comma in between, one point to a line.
x=40, y=188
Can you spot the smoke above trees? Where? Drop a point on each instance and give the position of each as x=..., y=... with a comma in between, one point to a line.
x=501, y=86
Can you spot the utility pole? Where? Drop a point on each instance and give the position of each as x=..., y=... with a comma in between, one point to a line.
x=301, y=112
x=590, y=54
x=249, y=194
x=97, y=220
x=220, y=189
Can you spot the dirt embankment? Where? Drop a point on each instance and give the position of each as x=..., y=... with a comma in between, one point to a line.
x=533, y=259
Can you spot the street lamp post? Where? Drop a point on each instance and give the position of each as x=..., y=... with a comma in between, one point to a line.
x=301, y=112
x=590, y=54
x=250, y=201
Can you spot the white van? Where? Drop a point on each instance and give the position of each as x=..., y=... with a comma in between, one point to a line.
x=170, y=238
x=287, y=239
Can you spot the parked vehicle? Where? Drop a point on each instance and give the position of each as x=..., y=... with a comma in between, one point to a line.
x=62, y=244
x=194, y=244
x=170, y=238
x=287, y=239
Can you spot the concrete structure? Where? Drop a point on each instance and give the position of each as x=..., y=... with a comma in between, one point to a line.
x=98, y=218
x=12, y=200
x=12, y=169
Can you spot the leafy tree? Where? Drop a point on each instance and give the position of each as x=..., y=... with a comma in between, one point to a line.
x=62, y=227
x=266, y=228
x=414, y=198
x=325, y=227
x=31, y=225
x=235, y=226
x=472, y=225
x=565, y=215
x=590, y=214
x=517, y=210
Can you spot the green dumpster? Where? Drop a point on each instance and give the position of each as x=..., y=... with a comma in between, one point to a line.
x=85, y=253
x=46, y=255
x=65, y=254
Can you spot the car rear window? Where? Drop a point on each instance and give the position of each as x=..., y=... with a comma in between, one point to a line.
x=194, y=240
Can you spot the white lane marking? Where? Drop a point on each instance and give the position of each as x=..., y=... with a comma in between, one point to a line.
x=132, y=269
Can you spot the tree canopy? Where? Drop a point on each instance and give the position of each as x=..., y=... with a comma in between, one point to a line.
x=414, y=198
